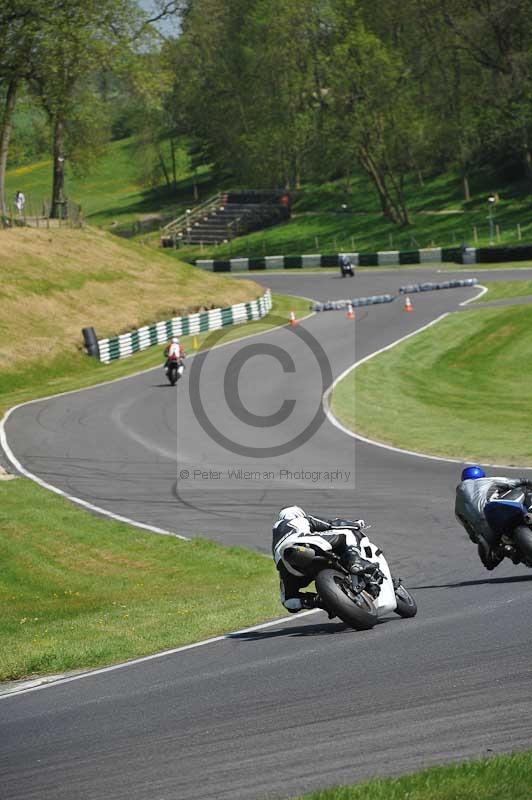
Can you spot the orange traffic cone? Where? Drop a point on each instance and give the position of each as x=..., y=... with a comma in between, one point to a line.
x=408, y=304
x=292, y=320
x=350, y=311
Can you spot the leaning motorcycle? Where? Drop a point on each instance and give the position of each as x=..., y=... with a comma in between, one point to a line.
x=346, y=268
x=175, y=369
x=510, y=517
x=355, y=598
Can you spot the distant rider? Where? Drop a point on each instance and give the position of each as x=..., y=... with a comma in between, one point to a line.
x=173, y=350
x=294, y=523
x=472, y=494
x=346, y=267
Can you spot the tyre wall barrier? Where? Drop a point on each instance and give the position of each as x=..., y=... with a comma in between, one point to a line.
x=495, y=255
x=431, y=255
x=412, y=288
x=160, y=332
x=91, y=341
x=356, y=302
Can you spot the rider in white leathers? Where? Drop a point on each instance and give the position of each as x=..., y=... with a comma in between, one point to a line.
x=347, y=542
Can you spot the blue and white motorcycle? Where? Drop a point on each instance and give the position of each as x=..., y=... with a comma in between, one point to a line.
x=511, y=518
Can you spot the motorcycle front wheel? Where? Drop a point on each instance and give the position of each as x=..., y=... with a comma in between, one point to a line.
x=406, y=605
x=356, y=610
x=522, y=537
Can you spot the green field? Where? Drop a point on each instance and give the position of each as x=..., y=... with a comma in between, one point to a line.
x=77, y=591
x=114, y=192
x=458, y=389
x=502, y=290
x=496, y=778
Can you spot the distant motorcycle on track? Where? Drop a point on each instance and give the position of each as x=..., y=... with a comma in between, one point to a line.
x=346, y=268
x=510, y=517
x=350, y=597
x=174, y=369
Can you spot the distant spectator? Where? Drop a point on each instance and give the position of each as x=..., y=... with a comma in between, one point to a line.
x=20, y=202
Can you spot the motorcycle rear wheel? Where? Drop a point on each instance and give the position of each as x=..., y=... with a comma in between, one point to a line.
x=357, y=611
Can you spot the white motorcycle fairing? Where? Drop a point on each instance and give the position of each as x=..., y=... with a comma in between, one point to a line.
x=385, y=603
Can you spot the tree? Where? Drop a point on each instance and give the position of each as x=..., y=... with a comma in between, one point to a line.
x=372, y=108
x=76, y=40
x=19, y=25
x=497, y=37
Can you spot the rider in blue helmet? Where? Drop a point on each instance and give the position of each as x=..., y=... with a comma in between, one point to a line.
x=472, y=494
x=473, y=473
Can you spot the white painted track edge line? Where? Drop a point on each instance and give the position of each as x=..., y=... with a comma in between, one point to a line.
x=153, y=656
x=483, y=290
x=84, y=503
x=78, y=500
x=375, y=443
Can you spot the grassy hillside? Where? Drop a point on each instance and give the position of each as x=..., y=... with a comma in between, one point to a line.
x=113, y=192
x=56, y=282
x=439, y=217
x=328, y=217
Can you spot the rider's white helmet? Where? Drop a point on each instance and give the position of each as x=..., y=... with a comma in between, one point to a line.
x=292, y=512
x=175, y=340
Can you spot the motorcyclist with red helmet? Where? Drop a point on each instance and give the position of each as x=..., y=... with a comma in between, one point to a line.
x=173, y=350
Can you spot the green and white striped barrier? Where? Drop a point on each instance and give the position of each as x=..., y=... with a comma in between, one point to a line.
x=160, y=332
x=430, y=255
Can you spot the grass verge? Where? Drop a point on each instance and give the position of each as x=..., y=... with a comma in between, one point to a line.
x=78, y=592
x=497, y=778
x=501, y=290
x=75, y=370
x=436, y=393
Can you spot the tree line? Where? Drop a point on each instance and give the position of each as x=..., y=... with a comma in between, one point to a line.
x=59, y=55
x=279, y=93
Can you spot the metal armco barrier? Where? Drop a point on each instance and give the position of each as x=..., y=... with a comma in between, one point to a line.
x=160, y=332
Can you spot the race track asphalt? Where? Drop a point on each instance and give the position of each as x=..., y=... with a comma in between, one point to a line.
x=302, y=705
